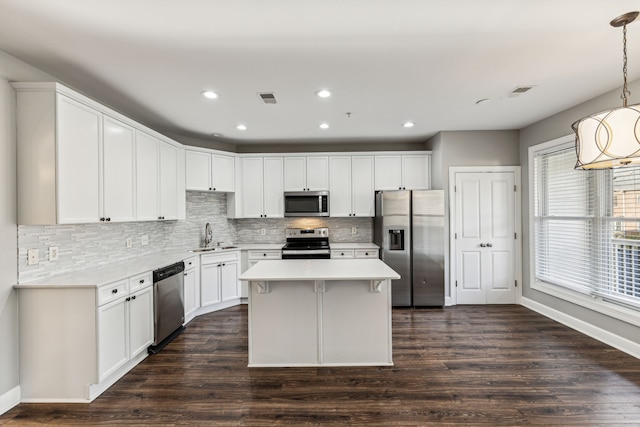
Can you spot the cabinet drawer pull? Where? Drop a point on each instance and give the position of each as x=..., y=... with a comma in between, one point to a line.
x=133, y=297
x=114, y=291
x=141, y=281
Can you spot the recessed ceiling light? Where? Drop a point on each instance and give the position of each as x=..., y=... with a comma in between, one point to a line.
x=324, y=125
x=217, y=135
x=241, y=127
x=209, y=94
x=323, y=93
x=409, y=124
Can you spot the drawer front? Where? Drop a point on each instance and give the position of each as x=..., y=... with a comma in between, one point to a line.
x=258, y=255
x=345, y=253
x=367, y=253
x=213, y=258
x=112, y=292
x=140, y=281
x=191, y=262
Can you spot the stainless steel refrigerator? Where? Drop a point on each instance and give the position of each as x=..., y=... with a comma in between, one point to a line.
x=409, y=228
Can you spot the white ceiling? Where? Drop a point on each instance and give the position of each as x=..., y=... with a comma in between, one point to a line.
x=386, y=62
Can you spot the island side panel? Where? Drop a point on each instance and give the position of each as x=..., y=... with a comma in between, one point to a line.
x=356, y=323
x=283, y=324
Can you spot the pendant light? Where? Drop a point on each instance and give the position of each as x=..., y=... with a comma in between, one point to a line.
x=611, y=138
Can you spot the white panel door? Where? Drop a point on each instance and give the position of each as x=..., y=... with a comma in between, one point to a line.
x=317, y=173
x=295, y=173
x=113, y=350
x=78, y=158
x=209, y=284
x=415, y=172
x=191, y=297
x=118, y=165
x=362, y=188
x=223, y=173
x=388, y=173
x=485, y=238
x=340, y=186
x=140, y=321
x=252, y=187
x=273, y=186
x=198, y=170
x=168, y=181
x=229, y=285
x=147, y=175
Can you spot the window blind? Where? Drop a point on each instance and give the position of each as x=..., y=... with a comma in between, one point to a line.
x=587, y=227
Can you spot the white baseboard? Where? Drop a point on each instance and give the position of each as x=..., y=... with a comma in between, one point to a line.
x=595, y=332
x=9, y=399
x=447, y=301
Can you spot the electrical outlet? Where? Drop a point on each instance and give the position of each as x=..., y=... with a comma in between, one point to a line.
x=129, y=242
x=263, y=232
x=144, y=241
x=33, y=257
x=53, y=253
x=354, y=230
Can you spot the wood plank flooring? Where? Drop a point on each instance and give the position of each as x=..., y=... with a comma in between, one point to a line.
x=472, y=365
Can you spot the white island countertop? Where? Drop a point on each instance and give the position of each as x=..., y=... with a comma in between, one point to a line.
x=319, y=269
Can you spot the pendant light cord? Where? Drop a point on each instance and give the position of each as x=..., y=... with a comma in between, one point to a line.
x=625, y=91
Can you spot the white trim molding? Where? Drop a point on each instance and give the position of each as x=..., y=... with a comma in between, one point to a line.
x=609, y=338
x=9, y=399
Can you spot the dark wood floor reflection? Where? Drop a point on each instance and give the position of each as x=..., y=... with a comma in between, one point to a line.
x=474, y=365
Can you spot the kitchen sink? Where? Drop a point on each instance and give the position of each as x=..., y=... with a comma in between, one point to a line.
x=217, y=248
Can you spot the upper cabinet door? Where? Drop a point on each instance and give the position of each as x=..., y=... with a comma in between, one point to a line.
x=168, y=181
x=415, y=172
x=273, y=194
x=147, y=175
x=118, y=154
x=362, y=191
x=252, y=194
x=317, y=173
x=388, y=173
x=222, y=173
x=198, y=170
x=79, y=131
x=340, y=186
x=295, y=173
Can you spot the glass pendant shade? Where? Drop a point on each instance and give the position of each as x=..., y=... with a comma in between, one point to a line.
x=608, y=139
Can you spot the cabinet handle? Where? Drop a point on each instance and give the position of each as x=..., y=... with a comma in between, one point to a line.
x=264, y=254
x=114, y=291
x=133, y=297
x=214, y=188
x=108, y=219
x=482, y=245
x=366, y=253
x=224, y=265
x=128, y=299
x=489, y=245
x=341, y=253
x=141, y=281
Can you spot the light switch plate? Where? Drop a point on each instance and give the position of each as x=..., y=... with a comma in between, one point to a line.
x=53, y=253
x=263, y=232
x=32, y=257
x=354, y=230
x=129, y=242
x=144, y=240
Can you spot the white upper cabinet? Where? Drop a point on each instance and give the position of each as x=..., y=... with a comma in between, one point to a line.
x=147, y=176
x=262, y=187
x=118, y=171
x=402, y=172
x=306, y=173
x=168, y=182
x=80, y=162
x=351, y=186
x=209, y=172
x=79, y=135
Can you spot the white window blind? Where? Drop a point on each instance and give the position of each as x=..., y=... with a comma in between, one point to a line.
x=587, y=227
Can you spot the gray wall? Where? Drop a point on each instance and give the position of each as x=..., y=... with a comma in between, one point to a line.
x=468, y=148
x=548, y=129
x=10, y=69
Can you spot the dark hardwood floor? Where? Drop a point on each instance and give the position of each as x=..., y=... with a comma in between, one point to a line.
x=474, y=365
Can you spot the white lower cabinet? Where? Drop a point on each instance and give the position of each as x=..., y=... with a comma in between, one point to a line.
x=77, y=341
x=253, y=257
x=191, y=288
x=219, y=278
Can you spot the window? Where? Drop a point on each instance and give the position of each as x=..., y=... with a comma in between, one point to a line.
x=586, y=226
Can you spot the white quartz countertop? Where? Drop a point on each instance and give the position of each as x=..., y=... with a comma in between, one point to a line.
x=109, y=273
x=320, y=269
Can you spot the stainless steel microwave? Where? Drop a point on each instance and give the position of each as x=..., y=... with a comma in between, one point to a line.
x=306, y=203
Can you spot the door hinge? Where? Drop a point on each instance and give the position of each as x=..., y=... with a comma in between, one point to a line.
x=455, y=236
x=455, y=188
x=515, y=188
x=456, y=283
x=515, y=236
x=516, y=283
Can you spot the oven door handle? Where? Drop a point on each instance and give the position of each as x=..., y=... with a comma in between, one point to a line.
x=305, y=252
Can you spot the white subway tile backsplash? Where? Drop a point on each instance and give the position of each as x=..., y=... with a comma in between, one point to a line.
x=82, y=246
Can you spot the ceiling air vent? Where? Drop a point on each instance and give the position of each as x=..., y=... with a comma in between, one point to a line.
x=521, y=89
x=268, y=97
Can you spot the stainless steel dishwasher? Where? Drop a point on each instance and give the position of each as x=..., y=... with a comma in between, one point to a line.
x=168, y=305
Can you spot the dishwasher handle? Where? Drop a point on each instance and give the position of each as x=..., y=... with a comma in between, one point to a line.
x=168, y=271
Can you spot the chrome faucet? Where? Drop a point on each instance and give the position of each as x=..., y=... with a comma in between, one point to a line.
x=208, y=235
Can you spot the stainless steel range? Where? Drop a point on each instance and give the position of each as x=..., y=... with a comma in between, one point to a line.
x=306, y=243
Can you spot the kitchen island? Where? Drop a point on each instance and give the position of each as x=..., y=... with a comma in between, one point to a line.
x=320, y=312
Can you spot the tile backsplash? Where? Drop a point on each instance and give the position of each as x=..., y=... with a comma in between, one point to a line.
x=83, y=246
